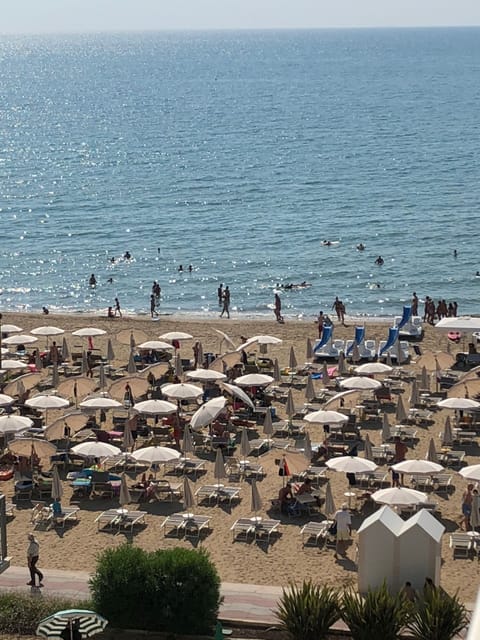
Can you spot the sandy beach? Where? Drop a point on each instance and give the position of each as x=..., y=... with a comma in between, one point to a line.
x=284, y=559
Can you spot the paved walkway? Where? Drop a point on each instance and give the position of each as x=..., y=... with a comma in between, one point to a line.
x=242, y=602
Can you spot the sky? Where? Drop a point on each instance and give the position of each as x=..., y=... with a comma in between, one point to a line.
x=63, y=16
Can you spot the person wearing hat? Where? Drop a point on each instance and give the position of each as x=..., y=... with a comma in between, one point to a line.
x=343, y=520
x=33, y=553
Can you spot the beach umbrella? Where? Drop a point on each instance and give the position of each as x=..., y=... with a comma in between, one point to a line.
x=155, y=407
x=206, y=375
x=44, y=403
x=10, y=328
x=459, y=404
x=207, y=412
x=309, y=390
x=360, y=382
x=256, y=501
x=20, y=387
x=276, y=371
x=176, y=335
x=388, y=359
x=307, y=447
x=399, y=496
x=400, y=413
x=55, y=376
x=137, y=386
x=125, y=336
x=341, y=368
x=414, y=394
x=200, y=356
x=262, y=339
x=100, y=402
x=88, y=332
x=47, y=331
x=188, y=498
x=268, y=424
x=182, y=391
x=329, y=507
x=464, y=324
x=20, y=339
x=89, y=623
x=178, y=366
x=84, y=368
x=253, y=380
x=219, y=472
x=424, y=380
x=447, y=435
x=386, y=430
x=132, y=341
x=11, y=423
x=370, y=368
x=325, y=376
x=131, y=366
x=326, y=417
x=95, y=450
x=233, y=390
x=5, y=400
x=423, y=467
x=368, y=453
x=244, y=444
x=124, y=497
x=433, y=361
x=475, y=515
x=226, y=338
x=432, y=452
x=65, y=350
x=290, y=406
x=187, y=441
x=75, y=421
x=27, y=446
x=397, y=349
x=471, y=472
x=156, y=454
x=309, y=350
x=57, y=487
x=110, y=351
x=101, y=376
x=38, y=361
x=128, y=441
x=351, y=464
x=13, y=365
x=23, y=383
x=355, y=354
x=84, y=386
x=292, y=359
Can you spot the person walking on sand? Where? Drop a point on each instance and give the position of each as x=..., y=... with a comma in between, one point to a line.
x=467, y=501
x=117, y=307
x=33, y=553
x=343, y=520
x=226, y=302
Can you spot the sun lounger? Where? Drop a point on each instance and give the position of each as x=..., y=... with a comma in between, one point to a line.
x=316, y=531
x=67, y=514
x=251, y=469
x=194, y=526
x=175, y=522
x=382, y=455
x=461, y=544
x=130, y=519
x=422, y=482
x=241, y=528
x=378, y=478
x=266, y=527
x=442, y=483
x=228, y=493
x=452, y=458
x=107, y=518
x=207, y=492
x=165, y=489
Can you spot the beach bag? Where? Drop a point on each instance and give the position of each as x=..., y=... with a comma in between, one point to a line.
x=332, y=530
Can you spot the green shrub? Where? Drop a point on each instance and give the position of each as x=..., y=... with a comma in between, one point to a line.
x=437, y=616
x=175, y=590
x=20, y=613
x=307, y=612
x=378, y=615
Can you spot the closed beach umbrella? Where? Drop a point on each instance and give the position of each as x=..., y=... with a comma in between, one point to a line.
x=360, y=382
x=102, y=381
x=447, y=435
x=131, y=366
x=355, y=354
x=399, y=496
x=368, y=453
x=254, y=380
x=351, y=464
x=370, y=368
x=432, y=452
x=132, y=341
x=458, y=404
x=292, y=359
x=207, y=412
x=21, y=338
x=276, y=371
x=182, y=391
x=206, y=375
x=244, y=444
x=414, y=394
x=307, y=447
x=88, y=332
x=309, y=390
x=188, y=499
x=325, y=376
x=124, y=498
x=84, y=368
x=11, y=423
x=309, y=350
x=5, y=400
x=268, y=424
x=256, y=501
x=329, y=507
x=326, y=417
x=386, y=430
x=475, y=515
x=388, y=359
x=424, y=380
x=100, y=402
x=155, y=407
x=178, y=366
x=89, y=623
x=95, y=450
x=233, y=390
x=110, y=351
x=418, y=466
x=187, y=441
x=341, y=368
x=57, y=487
x=38, y=361
x=290, y=406
x=28, y=446
x=219, y=472
x=65, y=350
x=55, y=376
x=400, y=413
x=156, y=455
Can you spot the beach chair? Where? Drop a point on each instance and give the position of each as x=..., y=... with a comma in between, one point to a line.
x=228, y=494
x=194, y=526
x=422, y=482
x=316, y=531
x=242, y=528
x=442, y=483
x=461, y=544
x=266, y=528
x=68, y=514
x=207, y=492
x=107, y=519
x=130, y=519
x=175, y=522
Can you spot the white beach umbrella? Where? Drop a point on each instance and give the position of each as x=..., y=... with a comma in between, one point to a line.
x=465, y=324
x=256, y=504
x=225, y=337
x=10, y=328
x=75, y=421
x=88, y=332
x=423, y=467
x=359, y=382
x=244, y=444
x=188, y=498
x=326, y=417
x=206, y=375
x=399, y=496
x=219, y=472
x=100, y=402
x=447, y=435
x=45, y=402
x=386, y=430
x=292, y=359
x=459, y=404
x=126, y=336
x=262, y=339
x=254, y=380
x=155, y=345
x=268, y=424
x=57, y=487
x=11, y=423
x=290, y=405
x=156, y=455
x=19, y=339
x=235, y=391
x=309, y=390
x=351, y=464
x=155, y=407
x=76, y=387
x=95, y=450
x=207, y=412
x=47, y=331
x=400, y=413
x=432, y=452
x=368, y=453
x=329, y=507
x=187, y=441
x=309, y=350
x=5, y=400
x=182, y=391
x=370, y=368
x=13, y=365
x=176, y=335
x=23, y=383
x=471, y=472
x=124, y=497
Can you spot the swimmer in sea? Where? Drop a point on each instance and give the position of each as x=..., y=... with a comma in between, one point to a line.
x=92, y=281
x=327, y=243
x=360, y=247
x=110, y=280
x=127, y=255
x=379, y=261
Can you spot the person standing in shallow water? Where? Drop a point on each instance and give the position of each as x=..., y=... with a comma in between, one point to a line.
x=278, y=308
x=226, y=302
x=220, y=295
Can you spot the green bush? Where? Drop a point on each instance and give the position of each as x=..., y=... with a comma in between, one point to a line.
x=175, y=590
x=307, y=612
x=378, y=615
x=437, y=616
x=20, y=613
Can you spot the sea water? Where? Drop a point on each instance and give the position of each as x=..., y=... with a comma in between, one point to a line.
x=238, y=153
